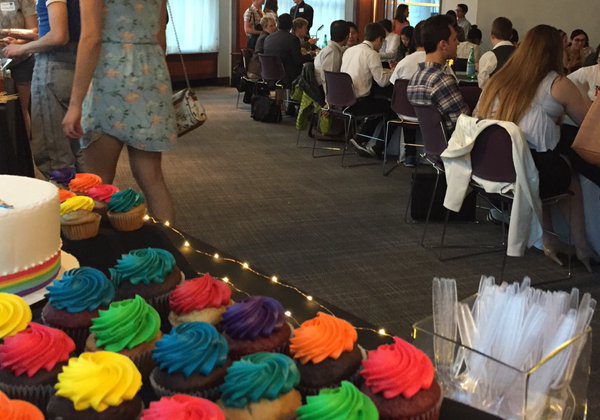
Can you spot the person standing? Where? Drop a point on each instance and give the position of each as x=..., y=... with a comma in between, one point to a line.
x=55, y=53
x=302, y=10
x=270, y=9
x=122, y=95
x=461, y=11
x=252, y=17
x=389, y=50
x=401, y=18
x=503, y=48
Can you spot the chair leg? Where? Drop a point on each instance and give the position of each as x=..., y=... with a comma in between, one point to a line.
x=446, y=218
x=408, y=202
x=437, y=177
x=347, y=137
x=385, y=144
x=504, y=241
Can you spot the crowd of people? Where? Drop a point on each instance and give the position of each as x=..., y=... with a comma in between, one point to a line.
x=543, y=83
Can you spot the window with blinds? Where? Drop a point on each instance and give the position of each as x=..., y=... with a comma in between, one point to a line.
x=197, y=25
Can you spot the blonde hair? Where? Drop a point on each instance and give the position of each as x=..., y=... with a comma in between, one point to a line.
x=516, y=83
x=264, y=21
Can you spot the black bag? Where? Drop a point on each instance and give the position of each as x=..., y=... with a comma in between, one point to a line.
x=263, y=107
x=421, y=196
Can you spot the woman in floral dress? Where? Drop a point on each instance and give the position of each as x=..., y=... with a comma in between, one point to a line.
x=122, y=94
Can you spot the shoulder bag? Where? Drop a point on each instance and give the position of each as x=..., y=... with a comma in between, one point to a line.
x=587, y=142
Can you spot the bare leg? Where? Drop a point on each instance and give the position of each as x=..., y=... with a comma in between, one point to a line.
x=24, y=92
x=101, y=157
x=147, y=171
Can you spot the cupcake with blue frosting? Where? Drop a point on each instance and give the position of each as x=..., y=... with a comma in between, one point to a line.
x=192, y=359
x=75, y=300
x=261, y=386
x=126, y=210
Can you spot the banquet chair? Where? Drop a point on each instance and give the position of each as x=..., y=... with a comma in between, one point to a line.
x=471, y=94
x=407, y=118
x=460, y=64
x=245, y=79
x=273, y=74
x=339, y=100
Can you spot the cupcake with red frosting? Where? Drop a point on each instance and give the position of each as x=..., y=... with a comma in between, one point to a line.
x=183, y=407
x=202, y=299
x=326, y=353
x=83, y=182
x=31, y=361
x=400, y=380
x=254, y=325
x=18, y=410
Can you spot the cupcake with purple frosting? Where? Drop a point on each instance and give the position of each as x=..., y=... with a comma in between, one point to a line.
x=254, y=325
x=62, y=177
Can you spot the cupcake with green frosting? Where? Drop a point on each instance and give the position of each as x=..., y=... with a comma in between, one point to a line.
x=261, y=386
x=130, y=327
x=126, y=210
x=343, y=403
x=192, y=359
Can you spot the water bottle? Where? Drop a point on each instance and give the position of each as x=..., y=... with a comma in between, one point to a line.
x=324, y=41
x=471, y=64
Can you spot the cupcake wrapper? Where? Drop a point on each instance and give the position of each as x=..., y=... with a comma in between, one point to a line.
x=355, y=379
x=78, y=335
x=144, y=363
x=212, y=394
x=432, y=414
x=161, y=304
x=82, y=231
x=127, y=222
x=36, y=395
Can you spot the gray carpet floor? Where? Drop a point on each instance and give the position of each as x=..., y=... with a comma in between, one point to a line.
x=338, y=233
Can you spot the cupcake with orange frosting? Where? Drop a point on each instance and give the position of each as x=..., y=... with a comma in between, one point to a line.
x=31, y=361
x=126, y=210
x=83, y=182
x=202, y=299
x=64, y=195
x=102, y=385
x=15, y=315
x=326, y=353
x=400, y=380
x=18, y=410
x=183, y=407
x=77, y=219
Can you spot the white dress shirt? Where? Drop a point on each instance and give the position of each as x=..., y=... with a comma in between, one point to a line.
x=464, y=50
x=408, y=66
x=363, y=64
x=587, y=79
x=465, y=25
x=329, y=59
x=390, y=46
x=488, y=63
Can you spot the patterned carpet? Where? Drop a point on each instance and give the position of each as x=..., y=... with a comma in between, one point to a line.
x=338, y=233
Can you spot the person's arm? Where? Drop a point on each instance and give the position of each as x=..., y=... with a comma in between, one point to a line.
x=161, y=35
x=90, y=43
x=380, y=75
x=249, y=24
x=57, y=37
x=487, y=65
x=566, y=93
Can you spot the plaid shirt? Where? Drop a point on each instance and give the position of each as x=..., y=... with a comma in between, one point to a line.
x=432, y=86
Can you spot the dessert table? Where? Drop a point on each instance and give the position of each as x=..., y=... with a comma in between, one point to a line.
x=195, y=257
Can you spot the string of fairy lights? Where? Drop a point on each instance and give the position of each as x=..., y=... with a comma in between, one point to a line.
x=273, y=279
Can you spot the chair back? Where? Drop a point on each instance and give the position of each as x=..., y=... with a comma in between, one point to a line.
x=471, y=94
x=272, y=69
x=340, y=91
x=400, y=103
x=491, y=157
x=460, y=64
x=432, y=129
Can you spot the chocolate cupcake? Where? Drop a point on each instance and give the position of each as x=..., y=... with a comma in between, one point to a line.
x=326, y=353
x=126, y=210
x=18, y=410
x=15, y=315
x=254, y=325
x=97, y=386
x=261, y=386
x=192, y=359
x=203, y=299
x=74, y=301
x=400, y=380
x=31, y=361
x=150, y=273
x=345, y=402
x=130, y=327
x=182, y=407
x=77, y=219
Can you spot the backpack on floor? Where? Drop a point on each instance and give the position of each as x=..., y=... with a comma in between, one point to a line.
x=263, y=107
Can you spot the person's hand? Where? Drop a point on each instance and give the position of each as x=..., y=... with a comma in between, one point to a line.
x=13, y=51
x=24, y=34
x=72, y=123
x=313, y=41
x=10, y=40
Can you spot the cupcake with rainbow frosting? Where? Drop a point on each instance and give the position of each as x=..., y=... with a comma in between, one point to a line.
x=77, y=219
x=126, y=210
x=261, y=386
x=345, y=402
x=15, y=315
x=183, y=407
x=18, y=410
x=99, y=386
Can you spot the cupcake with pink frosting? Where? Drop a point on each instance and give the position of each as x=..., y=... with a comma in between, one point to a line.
x=183, y=407
x=400, y=380
x=101, y=194
x=203, y=299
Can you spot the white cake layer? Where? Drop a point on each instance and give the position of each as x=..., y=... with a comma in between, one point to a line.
x=30, y=231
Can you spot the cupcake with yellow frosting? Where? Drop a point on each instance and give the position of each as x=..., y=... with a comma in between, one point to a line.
x=130, y=327
x=326, y=353
x=15, y=315
x=77, y=220
x=18, y=410
x=101, y=385
x=126, y=210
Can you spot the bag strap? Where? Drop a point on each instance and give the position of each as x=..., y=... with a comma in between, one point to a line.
x=185, y=73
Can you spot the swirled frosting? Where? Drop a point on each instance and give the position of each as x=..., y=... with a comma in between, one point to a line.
x=76, y=203
x=98, y=381
x=258, y=376
x=149, y=265
x=255, y=317
x=18, y=410
x=322, y=337
x=38, y=347
x=194, y=348
x=64, y=195
x=102, y=192
x=125, y=200
x=345, y=402
x=397, y=369
x=183, y=407
x=62, y=176
x=125, y=325
x=83, y=182
x=81, y=289
x=200, y=293
x=15, y=315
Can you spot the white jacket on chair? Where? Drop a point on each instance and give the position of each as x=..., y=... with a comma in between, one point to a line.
x=525, y=227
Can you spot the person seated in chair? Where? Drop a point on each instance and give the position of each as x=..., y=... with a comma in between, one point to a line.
x=330, y=57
